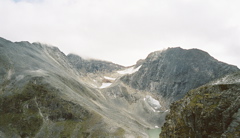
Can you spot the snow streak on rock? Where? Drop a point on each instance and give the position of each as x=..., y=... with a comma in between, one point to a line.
x=105, y=85
x=153, y=103
x=109, y=78
x=129, y=70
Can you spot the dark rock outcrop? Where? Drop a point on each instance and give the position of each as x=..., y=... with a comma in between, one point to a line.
x=174, y=71
x=212, y=110
x=91, y=65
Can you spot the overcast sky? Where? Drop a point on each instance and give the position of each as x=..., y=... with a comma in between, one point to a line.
x=123, y=31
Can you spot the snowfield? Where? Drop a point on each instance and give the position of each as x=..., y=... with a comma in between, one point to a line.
x=129, y=70
x=109, y=78
x=153, y=103
x=105, y=85
x=229, y=79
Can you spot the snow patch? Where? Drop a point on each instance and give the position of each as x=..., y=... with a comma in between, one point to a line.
x=153, y=109
x=153, y=103
x=229, y=79
x=9, y=74
x=105, y=85
x=48, y=54
x=129, y=70
x=220, y=81
x=19, y=77
x=94, y=86
x=109, y=78
x=40, y=71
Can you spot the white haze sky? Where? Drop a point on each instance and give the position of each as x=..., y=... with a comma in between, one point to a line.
x=123, y=31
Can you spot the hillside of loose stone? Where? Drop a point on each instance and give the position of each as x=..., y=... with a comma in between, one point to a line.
x=43, y=95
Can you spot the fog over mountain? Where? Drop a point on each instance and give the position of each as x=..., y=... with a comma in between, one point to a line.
x=116, y=30
x=45, y=93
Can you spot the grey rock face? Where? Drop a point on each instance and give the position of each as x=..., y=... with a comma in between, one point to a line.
x=209, y=111
x=92, y=66
x=175, y=71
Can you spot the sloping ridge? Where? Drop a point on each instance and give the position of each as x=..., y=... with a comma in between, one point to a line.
x=212, y=110
x=42, y=95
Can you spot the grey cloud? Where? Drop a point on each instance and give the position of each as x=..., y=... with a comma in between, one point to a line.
x=124, y=31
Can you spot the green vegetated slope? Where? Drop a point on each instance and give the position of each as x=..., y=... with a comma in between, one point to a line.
x=36, y=109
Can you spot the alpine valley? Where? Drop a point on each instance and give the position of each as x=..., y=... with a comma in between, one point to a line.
x=47, y=94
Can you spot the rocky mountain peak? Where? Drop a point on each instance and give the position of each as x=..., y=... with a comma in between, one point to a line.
x=179, y=53
x=92, y=65
x=175, y=71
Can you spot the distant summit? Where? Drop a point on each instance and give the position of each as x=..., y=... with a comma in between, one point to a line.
x=92, y=65
x=174, y=71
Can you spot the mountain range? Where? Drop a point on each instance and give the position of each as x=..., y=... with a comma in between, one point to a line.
x=45, y=93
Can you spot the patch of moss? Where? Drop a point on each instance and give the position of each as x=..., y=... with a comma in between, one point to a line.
x=69, y=127
x=199, y=105
x=235, y=133
x=119, y=132
x=103, y=133
x=95, y=118
x=210, y=108
x=195, y=101
x=23, y=124
x=223, y=87
x=20, y=112
x=99, y=133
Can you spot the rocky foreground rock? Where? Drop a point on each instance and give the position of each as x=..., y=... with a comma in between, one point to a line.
x=212, y=110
